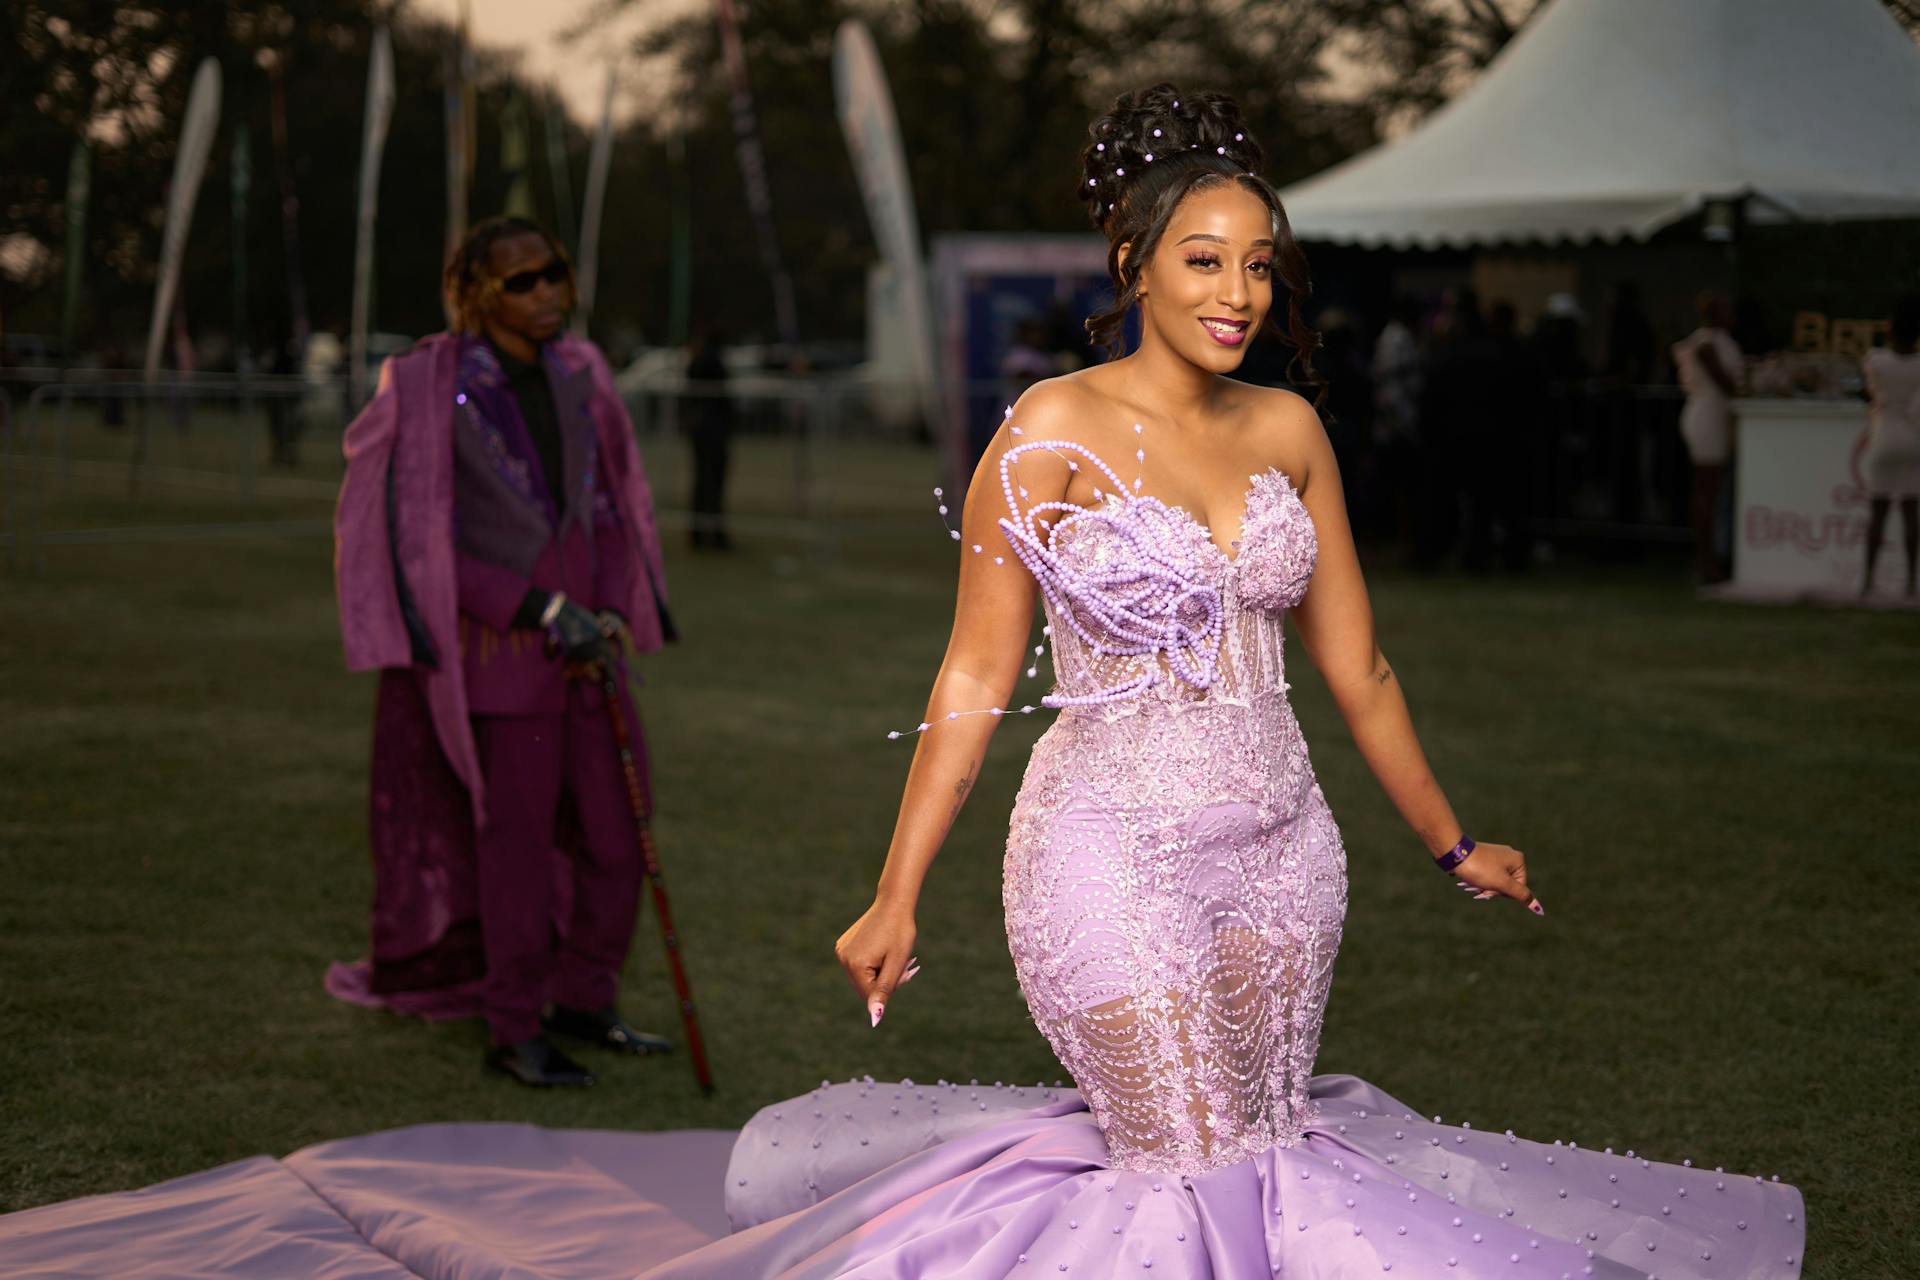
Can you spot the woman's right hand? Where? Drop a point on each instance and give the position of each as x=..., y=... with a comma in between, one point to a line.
x=877, y=953
x=1495, y=871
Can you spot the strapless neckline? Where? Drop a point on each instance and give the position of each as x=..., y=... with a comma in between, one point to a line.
x=1247, y=495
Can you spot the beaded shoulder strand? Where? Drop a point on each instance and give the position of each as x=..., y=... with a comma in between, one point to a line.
x=1147, y=598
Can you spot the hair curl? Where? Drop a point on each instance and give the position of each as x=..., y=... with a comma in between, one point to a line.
x=469, y=283
x=1150, y=151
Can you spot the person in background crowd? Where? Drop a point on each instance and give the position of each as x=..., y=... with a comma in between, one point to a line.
x=1749, y=328
x=284, y=418
x=1067, y=340
x=1497, y=463
x=709, y=426
x=1456, y=404
x=1348, y=414
x=1559, y=341
x=1630, y=339
x=1709, y=363
x=323, y=364
x=1892, y=461
x=495, y=529
x=1027, y=360
x=1398, y=370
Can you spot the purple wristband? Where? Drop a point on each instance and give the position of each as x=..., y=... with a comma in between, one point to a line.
x=1456, y=855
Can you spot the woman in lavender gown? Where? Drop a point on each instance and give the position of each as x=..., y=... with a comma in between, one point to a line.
x=1174, y=883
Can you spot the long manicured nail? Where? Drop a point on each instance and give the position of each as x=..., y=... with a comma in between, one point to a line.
x=875, y=1008
x=1533, y=905
x=907, y=977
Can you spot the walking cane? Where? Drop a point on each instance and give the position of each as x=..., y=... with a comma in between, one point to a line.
x=643, y=825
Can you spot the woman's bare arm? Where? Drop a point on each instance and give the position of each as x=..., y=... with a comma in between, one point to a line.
x=993, y=616
x=1709, y=357
x=1335, y=626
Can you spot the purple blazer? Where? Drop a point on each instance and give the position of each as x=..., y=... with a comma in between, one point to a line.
x=400, y=581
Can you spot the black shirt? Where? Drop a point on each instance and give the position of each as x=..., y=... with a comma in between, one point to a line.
x=534, y=394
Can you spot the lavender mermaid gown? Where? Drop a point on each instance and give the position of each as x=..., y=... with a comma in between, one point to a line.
x=1174, y=889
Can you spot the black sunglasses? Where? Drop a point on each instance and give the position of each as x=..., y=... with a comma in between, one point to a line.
x=555, y=272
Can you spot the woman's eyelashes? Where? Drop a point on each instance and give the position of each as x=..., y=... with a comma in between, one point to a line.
x=1260, y=267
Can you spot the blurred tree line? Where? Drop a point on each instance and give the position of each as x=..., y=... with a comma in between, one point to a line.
x=993, y=98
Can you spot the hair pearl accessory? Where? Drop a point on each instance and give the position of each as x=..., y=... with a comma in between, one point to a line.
x=1099, y=146
x=1149, y=157
x=1156, y=132
x=1220, y=150
x=1239, y=137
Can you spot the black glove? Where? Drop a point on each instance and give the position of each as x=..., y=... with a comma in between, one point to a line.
x=580, y=634
x=614, y=627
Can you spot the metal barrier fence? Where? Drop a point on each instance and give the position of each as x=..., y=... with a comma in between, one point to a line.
x=123, y=453
x=116, y=459
x=1610, y=464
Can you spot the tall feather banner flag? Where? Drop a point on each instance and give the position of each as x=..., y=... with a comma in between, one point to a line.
x=79, y=190
x=873, y=136
x=289, y=207
x=189, y=166
x=598, y=162
x=516, y=158
x=753, y=171
x=553, y=116
x=453, y=98
x=372, y=144
x=240, y=183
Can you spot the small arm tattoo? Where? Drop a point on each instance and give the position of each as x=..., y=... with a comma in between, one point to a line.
x=1383, y=675
x=960, y=792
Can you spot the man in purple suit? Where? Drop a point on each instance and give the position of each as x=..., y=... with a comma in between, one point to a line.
x=495, y=530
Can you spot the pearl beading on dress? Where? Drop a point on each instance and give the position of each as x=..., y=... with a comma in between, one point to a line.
x=1154, y=604
x=1175, y=889
x=1374, y=1187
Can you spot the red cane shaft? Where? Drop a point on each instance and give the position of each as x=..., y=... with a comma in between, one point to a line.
x=656, y=882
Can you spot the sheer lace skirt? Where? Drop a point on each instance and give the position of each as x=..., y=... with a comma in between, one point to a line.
x=1175, y=887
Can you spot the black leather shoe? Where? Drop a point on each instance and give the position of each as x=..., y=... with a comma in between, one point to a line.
x=536, y=1062
x=604, y=1029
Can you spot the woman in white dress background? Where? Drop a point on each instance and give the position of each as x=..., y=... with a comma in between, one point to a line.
x=1892, y=461
x=1710, y=364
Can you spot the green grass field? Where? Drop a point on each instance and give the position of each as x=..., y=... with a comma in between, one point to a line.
x=1719, y=803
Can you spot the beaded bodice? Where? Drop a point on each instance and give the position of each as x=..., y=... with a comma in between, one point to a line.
x=1217, y=619
x=1174, y=883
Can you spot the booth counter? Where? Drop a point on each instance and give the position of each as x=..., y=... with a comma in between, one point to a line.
x=1800, y=503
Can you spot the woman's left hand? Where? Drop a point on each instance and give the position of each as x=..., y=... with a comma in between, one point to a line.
x=1497, y=870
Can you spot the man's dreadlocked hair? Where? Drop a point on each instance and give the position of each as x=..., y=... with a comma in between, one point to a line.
x=470, y=285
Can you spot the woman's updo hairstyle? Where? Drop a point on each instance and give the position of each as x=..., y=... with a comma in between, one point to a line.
x=1152, y=149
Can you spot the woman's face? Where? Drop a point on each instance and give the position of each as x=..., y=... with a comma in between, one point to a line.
x=1210, y=283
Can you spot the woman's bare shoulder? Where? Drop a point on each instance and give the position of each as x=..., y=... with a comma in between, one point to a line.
x=1285, y=430
x=1073, y=406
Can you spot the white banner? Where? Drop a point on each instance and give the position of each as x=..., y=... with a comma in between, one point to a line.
x=189, y=166
x=453, y=65
x=372, y=144
x=873, y=137
x=1800, y=501
x=597, y=163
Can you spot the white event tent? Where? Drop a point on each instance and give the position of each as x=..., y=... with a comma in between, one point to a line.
x=1609, y=119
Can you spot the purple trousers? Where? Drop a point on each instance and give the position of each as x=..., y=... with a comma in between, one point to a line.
x=531, y=764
